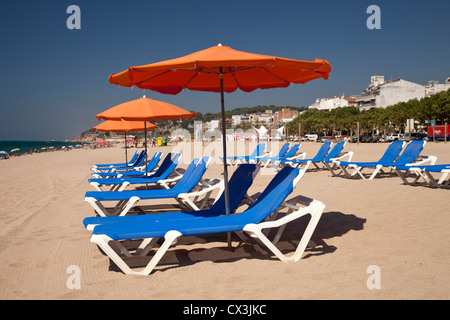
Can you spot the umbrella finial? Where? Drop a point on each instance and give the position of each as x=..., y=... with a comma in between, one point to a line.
x=144, y=96
x=219, y=45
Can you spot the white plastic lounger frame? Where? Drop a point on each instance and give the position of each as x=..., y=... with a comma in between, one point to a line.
x=358, y=170
x=310, y=207
x=425, y=175
x=314, y=209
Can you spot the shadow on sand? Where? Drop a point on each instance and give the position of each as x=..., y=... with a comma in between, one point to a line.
x=331, y=225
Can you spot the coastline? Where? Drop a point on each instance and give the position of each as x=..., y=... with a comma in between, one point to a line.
x=383, y=223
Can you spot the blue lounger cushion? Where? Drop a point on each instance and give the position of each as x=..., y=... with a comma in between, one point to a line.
x=321, y=154
x=239, y=184
x=164, y=170
x=391, y=153
x=271, y=198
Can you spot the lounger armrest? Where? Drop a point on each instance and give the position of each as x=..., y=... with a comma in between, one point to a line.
x=298, y=156
x=312, y=207
x=186, y=197
x=174, y=177
x=348, y=155
x=422, y=160
x=266, y=155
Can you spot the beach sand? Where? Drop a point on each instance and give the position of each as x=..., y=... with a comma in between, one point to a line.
x=401, y=229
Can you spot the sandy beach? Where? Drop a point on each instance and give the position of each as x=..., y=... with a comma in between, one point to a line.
x=401, y=229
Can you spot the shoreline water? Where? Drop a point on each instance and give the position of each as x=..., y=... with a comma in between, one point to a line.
x=23, y=147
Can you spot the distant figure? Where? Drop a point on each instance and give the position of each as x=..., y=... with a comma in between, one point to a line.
x=136, y=141
x=153, y=142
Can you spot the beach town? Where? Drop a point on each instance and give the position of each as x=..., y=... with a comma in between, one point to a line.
x=343, y=198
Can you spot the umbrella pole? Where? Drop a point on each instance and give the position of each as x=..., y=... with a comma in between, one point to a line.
x=126, y=155
x=224, y=143
x=146, y=160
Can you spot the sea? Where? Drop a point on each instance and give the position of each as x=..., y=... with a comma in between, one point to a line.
x=21, y=147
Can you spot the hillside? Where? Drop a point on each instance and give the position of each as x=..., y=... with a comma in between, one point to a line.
x=166, y=126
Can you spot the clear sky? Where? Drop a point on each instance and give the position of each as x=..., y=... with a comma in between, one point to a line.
x=55, y=80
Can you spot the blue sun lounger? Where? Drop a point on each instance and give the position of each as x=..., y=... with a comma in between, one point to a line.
x=182, y=192
x=240, y=182
x=410, y=154
x=320, y=156
x=139, y=160
x=426, y=173
x=291, y=154
x=160, y=176
x=251, y=221
x=283, y=150
x=242, y=159
x=392, y=152
x=130, y=163
x=136, y=171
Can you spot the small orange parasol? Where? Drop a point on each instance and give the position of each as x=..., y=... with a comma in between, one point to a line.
x=145, y=109
x=124, y=126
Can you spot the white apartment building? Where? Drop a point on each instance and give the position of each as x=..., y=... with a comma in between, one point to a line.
x=381, y=93
x=328, y=104
x=434, y=87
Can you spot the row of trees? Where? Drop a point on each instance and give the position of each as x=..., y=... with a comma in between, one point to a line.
x=378, y=120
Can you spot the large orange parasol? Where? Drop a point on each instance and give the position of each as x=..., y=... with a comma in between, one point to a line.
x=221, y=69
x=240, y=70
x=124, y=126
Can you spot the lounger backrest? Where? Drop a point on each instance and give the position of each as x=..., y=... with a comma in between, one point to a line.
x=322, y=151
x=273, y=196
x=283, y=150
x=240, y=182
x=392, y=152
x=337, y=149
x=154, y=161
x=292, y=151
x=167, y=162
x=139, y=159
x=258, y=150
x=411, y=152
x=192, y=175
x=133, y=159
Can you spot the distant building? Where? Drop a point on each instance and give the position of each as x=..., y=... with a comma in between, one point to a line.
x=381, y=93
x=328, y=104
x=212, y=125
x=237, y=119
x=434, y=87
x=285, y=115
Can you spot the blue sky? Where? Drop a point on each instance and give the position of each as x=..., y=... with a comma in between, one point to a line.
x=54, y=80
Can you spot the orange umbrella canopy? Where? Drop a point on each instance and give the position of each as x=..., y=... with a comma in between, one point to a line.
x=124, y=126
x=241, y=70
x=145, y=109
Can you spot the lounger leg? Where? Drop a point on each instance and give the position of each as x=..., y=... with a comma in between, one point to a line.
x=98, y=207
x=442, y=179
x=103, y=242
x=375, y=172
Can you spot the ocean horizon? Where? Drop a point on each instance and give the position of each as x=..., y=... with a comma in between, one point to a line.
x=20, y=147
